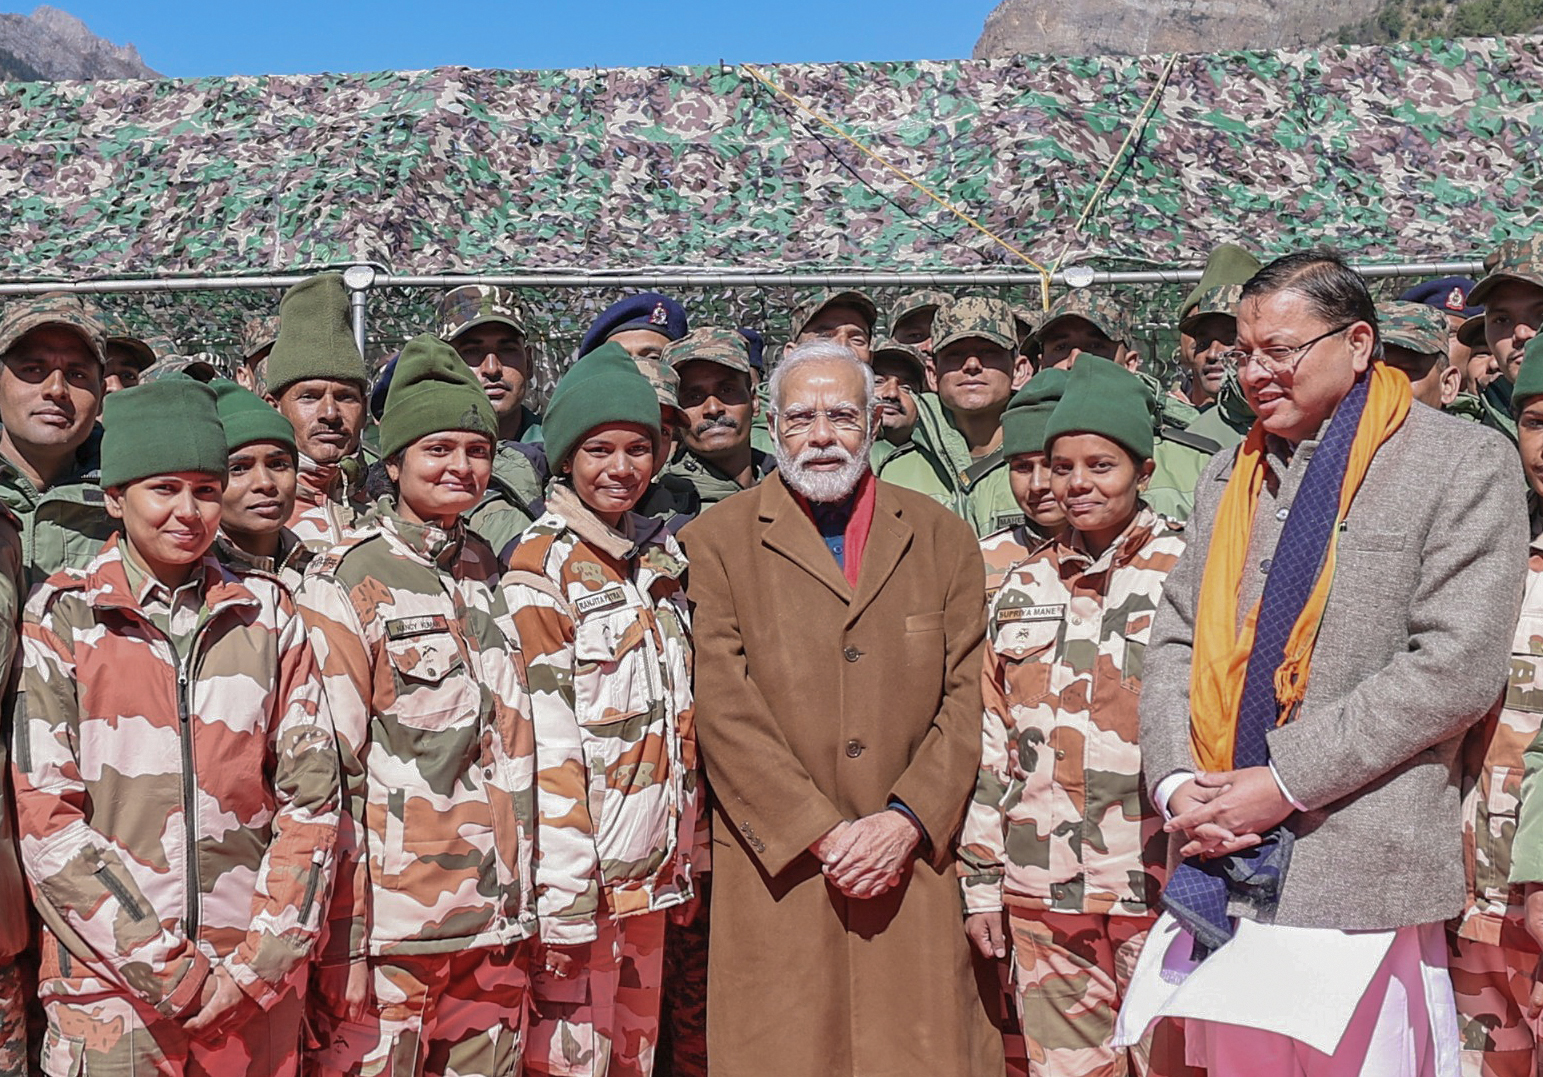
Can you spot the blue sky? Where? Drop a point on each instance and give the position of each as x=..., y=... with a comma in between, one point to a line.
x=253, y=37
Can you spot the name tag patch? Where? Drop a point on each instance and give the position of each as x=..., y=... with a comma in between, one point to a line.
x=1030, y=613
x=608, y=599
x=403, y=627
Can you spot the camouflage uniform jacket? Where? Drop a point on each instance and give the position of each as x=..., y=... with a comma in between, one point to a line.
x=937, y=462
x=509, y=505
x=13, y=887
x=711, y=484
x=604, y=636
x=288, y=567
x=1060, y=821
x=1004, y=550
x=328, y=499
x=435, y=741
x=185, y=813
x=63, y=526
x=1493, y=767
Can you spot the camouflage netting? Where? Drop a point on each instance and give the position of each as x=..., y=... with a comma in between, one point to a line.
x=1404, y=152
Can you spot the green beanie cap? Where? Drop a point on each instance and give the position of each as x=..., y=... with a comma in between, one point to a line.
x=1529, y=377
x=604, y=386
x=247, y=417
x=433, y=390
x=316, y=338
x=1228, y=264
x=1028, y=412
x=1106, y=399
x=161, y=428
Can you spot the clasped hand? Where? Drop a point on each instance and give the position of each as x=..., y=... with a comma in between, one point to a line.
x=1227, y=812
x=867, y=857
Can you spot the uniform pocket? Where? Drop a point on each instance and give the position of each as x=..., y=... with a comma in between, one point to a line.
x=611, y=678
x=1138, y=631
x=1028, y=651
x=432, y=686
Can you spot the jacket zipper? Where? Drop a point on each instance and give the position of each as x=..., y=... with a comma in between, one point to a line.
x=189, y=801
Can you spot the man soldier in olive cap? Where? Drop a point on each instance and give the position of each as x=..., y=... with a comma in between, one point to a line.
x=718, y=402
x=955, y=455
x=900, y=378
x=1414, y=340
x=846, y=317
x=316, y=378
x=910, y=319
x=258, y=336
x=1228, y=264
x=1098, y=324
x=52, y=353
x=486, y=327
x=1211, y=327
x=1512, y=295
x=128, y=356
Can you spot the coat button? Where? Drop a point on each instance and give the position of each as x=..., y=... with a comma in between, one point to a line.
x=1264, y=566
x=852, y=654
x=854, y=749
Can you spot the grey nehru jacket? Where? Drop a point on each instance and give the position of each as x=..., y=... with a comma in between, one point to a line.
x=1414, y=648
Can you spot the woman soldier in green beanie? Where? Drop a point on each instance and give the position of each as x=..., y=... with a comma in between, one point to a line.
x=423, y=966
x=259, y=487
x=1060, y=835
x=1028, y=474
x=598, y=611
x=176, y=775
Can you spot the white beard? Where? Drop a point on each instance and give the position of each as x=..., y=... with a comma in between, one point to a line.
x=824, y=486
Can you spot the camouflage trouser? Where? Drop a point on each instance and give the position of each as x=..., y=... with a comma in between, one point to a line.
x=114, y=1034
x=431, y=1015
x=15, y=991
x=1491, y=985
x=683, y=1009
x=1071, y=973
x=602, y=1019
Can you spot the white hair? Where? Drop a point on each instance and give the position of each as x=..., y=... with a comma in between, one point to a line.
x=823, y=486
x=820, y=351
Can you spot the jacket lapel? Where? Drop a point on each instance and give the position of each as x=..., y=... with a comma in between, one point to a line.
x=888, y=539
x=790, y=532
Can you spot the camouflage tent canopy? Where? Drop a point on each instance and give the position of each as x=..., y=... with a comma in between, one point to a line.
x=1392, y=153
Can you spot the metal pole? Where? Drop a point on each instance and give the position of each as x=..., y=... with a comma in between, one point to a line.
x=358, y=279
x=662, y=279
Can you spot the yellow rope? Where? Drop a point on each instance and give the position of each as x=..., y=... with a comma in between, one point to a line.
x=1044, y=274
x=1119, y=154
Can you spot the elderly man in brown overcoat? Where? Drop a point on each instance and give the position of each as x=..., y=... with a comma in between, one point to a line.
x=838, y=633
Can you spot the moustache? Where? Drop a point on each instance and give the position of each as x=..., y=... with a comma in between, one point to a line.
x=728, y=422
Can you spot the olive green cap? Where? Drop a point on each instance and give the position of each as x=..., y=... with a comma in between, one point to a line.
x=316, y=337
x=603, y=387
x=1227, y=264
x=1099, y=309
x=917, y=303
x=64, y=309
x=1529, y=378
x=1104, y=398
x=247, y=417
x=1471, y=332
x=1028, y=412
x=906, y=353
x=136, y=422
x=432, y=390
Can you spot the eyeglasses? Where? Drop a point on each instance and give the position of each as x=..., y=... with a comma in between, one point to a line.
x=1279, y=359
x=800, y=420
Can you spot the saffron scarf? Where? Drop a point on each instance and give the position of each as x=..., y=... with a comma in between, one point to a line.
x=1221, y=649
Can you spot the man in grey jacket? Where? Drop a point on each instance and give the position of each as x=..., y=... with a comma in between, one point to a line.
x=1334, y=845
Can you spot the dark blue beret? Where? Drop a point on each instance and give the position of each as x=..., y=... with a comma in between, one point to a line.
x=757, y=345
x=647, y=310
x=1448, y=294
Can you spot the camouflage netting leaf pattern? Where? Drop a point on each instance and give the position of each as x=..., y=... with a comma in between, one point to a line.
x=1404, y=152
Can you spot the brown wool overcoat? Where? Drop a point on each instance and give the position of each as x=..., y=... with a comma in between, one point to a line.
x=814, y=705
